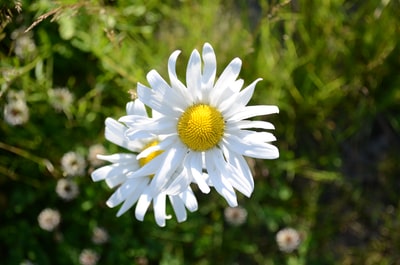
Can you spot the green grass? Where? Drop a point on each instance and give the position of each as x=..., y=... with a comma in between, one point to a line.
x=332, y=67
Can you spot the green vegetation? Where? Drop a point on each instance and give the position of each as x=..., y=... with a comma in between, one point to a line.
x=332, y=67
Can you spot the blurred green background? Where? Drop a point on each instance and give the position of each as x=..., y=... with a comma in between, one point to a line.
x=332, y=67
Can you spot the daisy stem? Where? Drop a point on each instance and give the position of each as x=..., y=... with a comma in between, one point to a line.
x=25, y=154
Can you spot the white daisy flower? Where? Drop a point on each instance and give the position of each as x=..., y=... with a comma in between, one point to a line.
x=16, y=112
x=49, y=219
x=67, y=189
x=204, y=124
x=88, y=257
x=139, y=178
x=73, y=164
x=288, y=239
x=61, y=98
x=95, y=150
x=235, y=216
x=99, y=235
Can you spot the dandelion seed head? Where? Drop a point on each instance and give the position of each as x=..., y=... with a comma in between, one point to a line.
x=288, y=239
x=49, y=219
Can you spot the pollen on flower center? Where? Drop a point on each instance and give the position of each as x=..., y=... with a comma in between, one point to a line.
x=201, y=127
x=143, y=161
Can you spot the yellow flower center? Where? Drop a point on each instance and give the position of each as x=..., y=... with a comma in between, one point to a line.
x=143, y=161
x=201, y=127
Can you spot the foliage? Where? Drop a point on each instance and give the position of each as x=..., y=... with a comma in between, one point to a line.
x=330, y=66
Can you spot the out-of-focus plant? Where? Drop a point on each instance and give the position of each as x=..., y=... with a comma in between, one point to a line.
x=330, y=66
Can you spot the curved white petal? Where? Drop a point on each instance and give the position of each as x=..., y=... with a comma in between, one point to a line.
x=156, y=101
x=246, y=124
x=170, y=162
x=136, y=107
x=159, y=209
x=123, y=192
x=209, y=70
x=163, y=145
x=179, y=207
x=229, y=100
x=218, y=178
x=195, y=165
x=246, y=94
x=193, y=75
x=143, y=204
x=118, y=158
x=168, y=95
x=228, y=171
x=252, y=111
x=189, y=199
x=110, y=170
x=180, y=182
x=115, y=133
x=227, y=77
x=115, y=180
x=239, y=163
x=256, y=150
x=176, y=83
x=133, y=197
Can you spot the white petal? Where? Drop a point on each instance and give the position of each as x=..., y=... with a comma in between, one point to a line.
x=246, y=124
x=231, y=174
x=143, y=128
x=159, y=209
x=115, y=133
x=176, y=83
x=163, y=145
x=238, y=162
x=162, y=89
x=115, y=180
x=118, y=158
x=194, y=163
x=227, y=77
x=110, y=170
x=136, y=108
x=171, y=160
x=256, y=150
x=229, y=99
x=150, y=168
x=179, y=207
x=209, y=69
x=246, y=94
x=143, y=204
x=251, y=111
x=220, y=182
x=156, y=101
x=133, y=197
x=122, y=193
x=189, y=199
x=180, y=182
x=193, y=75
x=250, y=137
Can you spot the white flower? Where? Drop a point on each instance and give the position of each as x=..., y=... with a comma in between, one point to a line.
x=61, y=99
x=49, y=219
x=13, y=95
x=67, y=189
x=16, y=112
x=88, y=257
x=204, y=124
x=99, y=235
x=288, y=239
x=73, y=164
x=24, y=43
x=139, y=178
x=95, y=150
x=235, y=216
